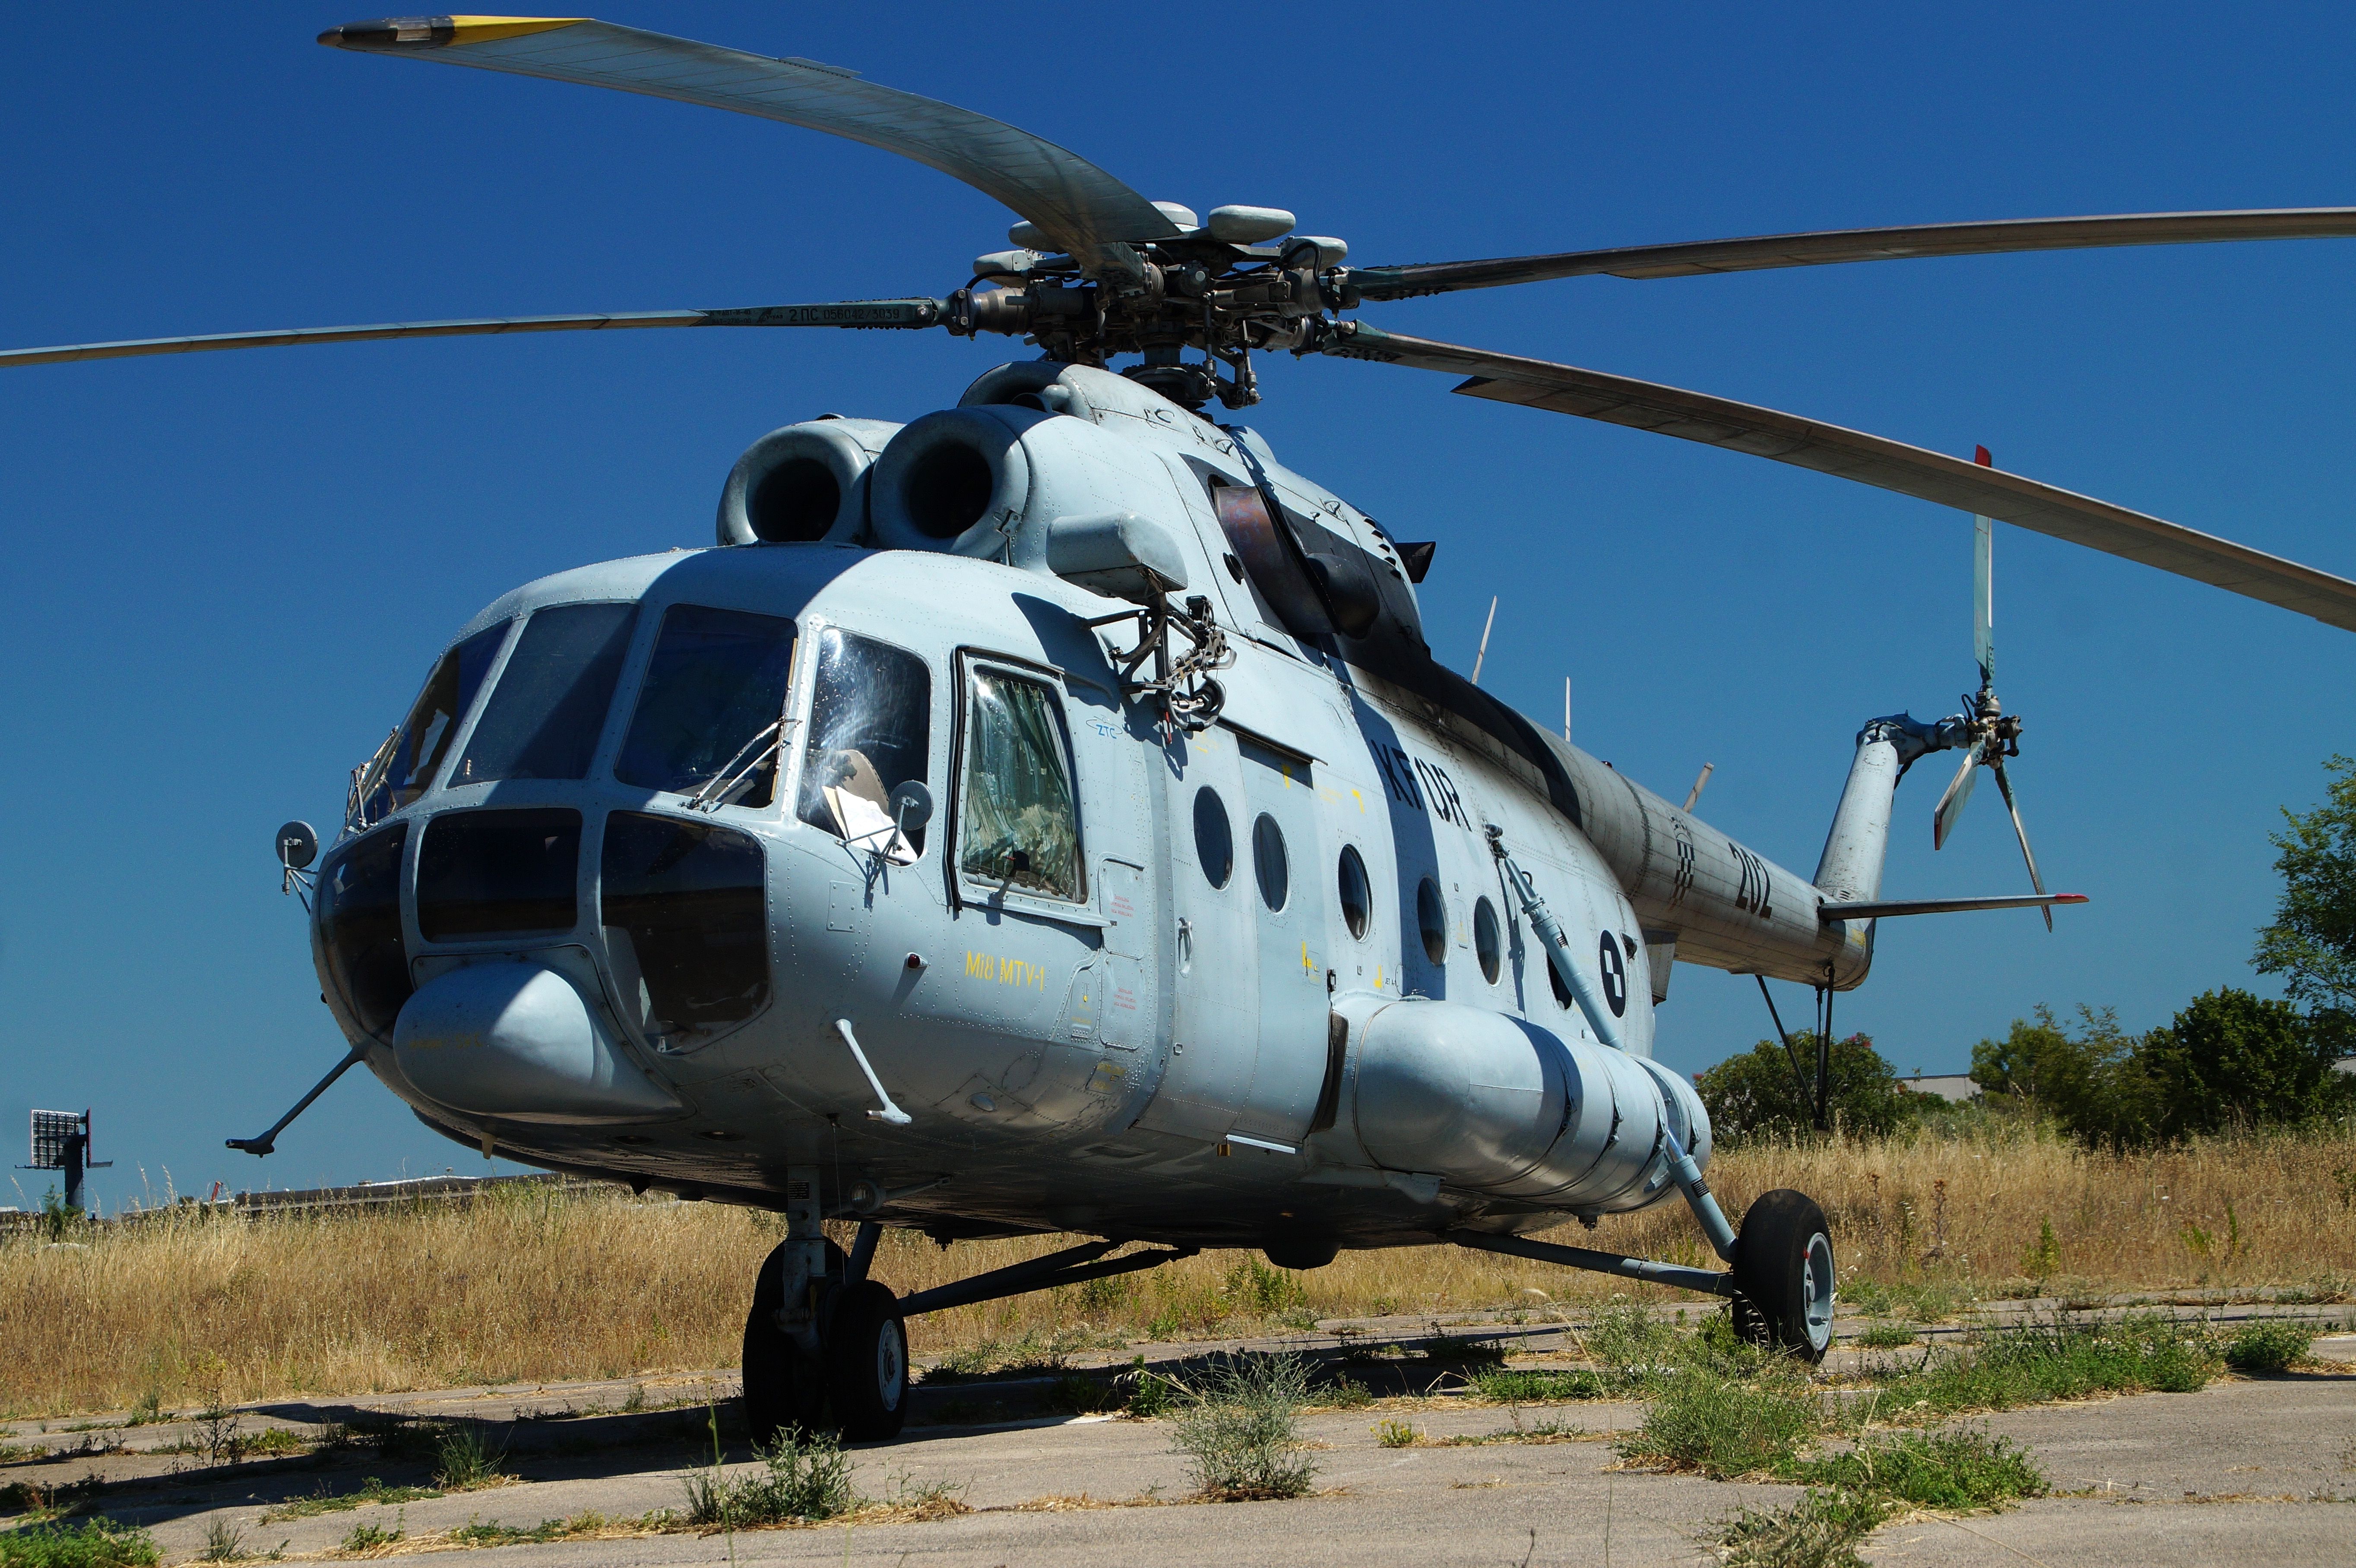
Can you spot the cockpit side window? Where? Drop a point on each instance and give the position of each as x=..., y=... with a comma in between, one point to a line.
x=870, y=733
x=714, y=691
x=425, y=734
x=544, y=717
x=1016, y=822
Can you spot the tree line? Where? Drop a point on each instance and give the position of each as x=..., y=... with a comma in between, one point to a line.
x=2229, y=1059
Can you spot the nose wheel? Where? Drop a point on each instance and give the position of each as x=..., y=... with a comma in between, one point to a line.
x=857, y=1379
x=1783, y=1275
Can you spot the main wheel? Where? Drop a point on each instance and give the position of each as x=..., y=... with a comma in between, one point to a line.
x=1783, y=1275
x=785, y=1390
x=867, y=1362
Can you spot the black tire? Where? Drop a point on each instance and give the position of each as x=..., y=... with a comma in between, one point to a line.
x=1783, y=1275
x=785, y=1390
x=867, y=1364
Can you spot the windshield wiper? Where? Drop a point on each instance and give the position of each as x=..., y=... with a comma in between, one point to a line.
x=730, y=782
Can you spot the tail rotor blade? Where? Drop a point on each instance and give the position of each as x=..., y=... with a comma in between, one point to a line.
x=1983, y=587
x=2021, y=831
x=1951, y=804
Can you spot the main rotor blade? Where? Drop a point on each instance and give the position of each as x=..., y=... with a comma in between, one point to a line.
x=1984, y=587
x=1693, y=258
x=854, y=313
x=1084, y=209
x=1958, y=791
x=1868, y=459
x=2020, y=831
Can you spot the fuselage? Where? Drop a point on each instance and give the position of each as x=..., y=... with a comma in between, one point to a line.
x=625, y=895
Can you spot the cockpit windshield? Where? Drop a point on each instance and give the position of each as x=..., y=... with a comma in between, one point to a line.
x=714, y=691
x=870, y=733
x=424, y=735
x=543, y=719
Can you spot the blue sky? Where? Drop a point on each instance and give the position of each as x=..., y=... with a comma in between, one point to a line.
x=227, y=573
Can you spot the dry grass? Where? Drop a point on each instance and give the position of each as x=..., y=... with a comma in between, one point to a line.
x=535, y=1286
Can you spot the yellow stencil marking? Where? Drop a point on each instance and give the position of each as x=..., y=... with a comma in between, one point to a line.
x=1006, y=970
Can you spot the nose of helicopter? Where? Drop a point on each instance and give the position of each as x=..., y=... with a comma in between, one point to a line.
x=516, y=1039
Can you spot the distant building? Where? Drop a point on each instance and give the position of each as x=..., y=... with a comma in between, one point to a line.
x=1952, y=1087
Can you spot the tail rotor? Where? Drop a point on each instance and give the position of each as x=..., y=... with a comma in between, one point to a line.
x=1989, y=734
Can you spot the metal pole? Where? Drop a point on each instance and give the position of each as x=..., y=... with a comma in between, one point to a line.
x=1825, y=1056
x=76, y=1147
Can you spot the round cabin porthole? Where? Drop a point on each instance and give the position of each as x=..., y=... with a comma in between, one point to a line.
x=1357, y=894
x=1215, y=842
x=1431, y=919
x=1269, y=863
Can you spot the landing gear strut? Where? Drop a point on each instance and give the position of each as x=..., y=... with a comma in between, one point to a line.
x=825, y=1346
x=855, y=1376
x=1781, y=1281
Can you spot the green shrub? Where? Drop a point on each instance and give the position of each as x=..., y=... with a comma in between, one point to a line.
x=1241, y=1429
x=802, y=1477
x=1700, y=1421
x=2269, y=1345
x=93, y=1543
x=1757, y=1094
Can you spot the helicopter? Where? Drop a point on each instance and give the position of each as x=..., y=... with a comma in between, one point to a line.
x=1046, y=816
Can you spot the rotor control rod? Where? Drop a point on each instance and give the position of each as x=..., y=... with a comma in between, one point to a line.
x=1549, y=936
x=268, y=1140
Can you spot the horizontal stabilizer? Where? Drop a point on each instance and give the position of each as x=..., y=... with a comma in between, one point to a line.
x=1831, y=911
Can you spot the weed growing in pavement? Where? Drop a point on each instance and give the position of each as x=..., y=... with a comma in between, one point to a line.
x=2269, y=1345
x=1820, y=1530
x=368, y=1537
x=1885, y=1335
x=372, y=1491
x=1343, y=1392
x=1962, y=1468
x=2043, y=1361
x=93, y=1543
x=1459, y=1351
x=475, y=1533
x=1501, y=1385
x=1520, y=1432
x=1701, y=1421
x=1150, y=1393
x=1393, y=1433
x=224, y=1543
x=1240, y=1425
x=803, y=1476
x=464, y=1462
x=1076, y=1394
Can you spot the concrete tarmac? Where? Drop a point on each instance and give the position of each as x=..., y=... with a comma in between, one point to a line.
x=2248, y=1471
